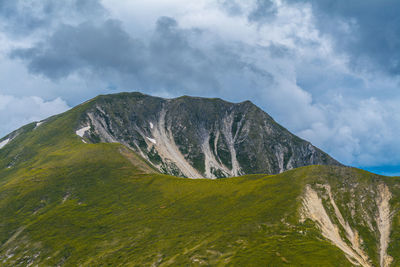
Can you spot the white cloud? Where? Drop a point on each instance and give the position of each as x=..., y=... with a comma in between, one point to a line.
x=18, y=111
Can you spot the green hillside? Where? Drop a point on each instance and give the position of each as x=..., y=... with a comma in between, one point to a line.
x=67, y=203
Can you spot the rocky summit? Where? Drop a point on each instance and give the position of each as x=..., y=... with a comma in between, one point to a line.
x=197, y=137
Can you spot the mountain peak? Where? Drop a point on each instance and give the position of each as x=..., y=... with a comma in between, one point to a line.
x=198, y=137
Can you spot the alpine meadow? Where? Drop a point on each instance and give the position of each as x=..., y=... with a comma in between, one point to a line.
x=199, y=133
x=73, y=197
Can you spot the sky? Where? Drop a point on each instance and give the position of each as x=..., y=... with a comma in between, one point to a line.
x=329, y=71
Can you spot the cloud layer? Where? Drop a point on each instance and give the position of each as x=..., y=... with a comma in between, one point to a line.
x=15, y=111
x=327, y=70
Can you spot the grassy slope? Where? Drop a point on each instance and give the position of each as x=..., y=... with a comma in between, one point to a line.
x=66, y=202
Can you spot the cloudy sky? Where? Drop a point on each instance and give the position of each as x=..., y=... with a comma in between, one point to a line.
x=327, y=70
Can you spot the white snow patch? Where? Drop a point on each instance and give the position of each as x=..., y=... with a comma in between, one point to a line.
x=39, y=123
x=151, y=140
x=82, y=131
x=151, y=125
x=4, y=142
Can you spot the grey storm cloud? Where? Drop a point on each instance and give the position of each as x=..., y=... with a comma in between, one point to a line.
x=171, y=59
x=72, y=48
x=25, y=16
x=231, y=7
x=371, y=37
x=263, y=11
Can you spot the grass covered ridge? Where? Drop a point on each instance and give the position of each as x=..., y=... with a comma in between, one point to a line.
x=63, y=202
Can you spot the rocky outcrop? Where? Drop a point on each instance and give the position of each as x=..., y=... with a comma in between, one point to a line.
x=315, y=210
x=327, y=209
x=383, y=221
x=198, y=137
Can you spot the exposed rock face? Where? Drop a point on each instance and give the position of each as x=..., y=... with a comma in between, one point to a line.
x=314, y=209
x=383, y=221
x=198, y=137
x=369, y=210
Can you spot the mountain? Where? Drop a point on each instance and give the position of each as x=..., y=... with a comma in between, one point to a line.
x=68, y=199
x=197, y=137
